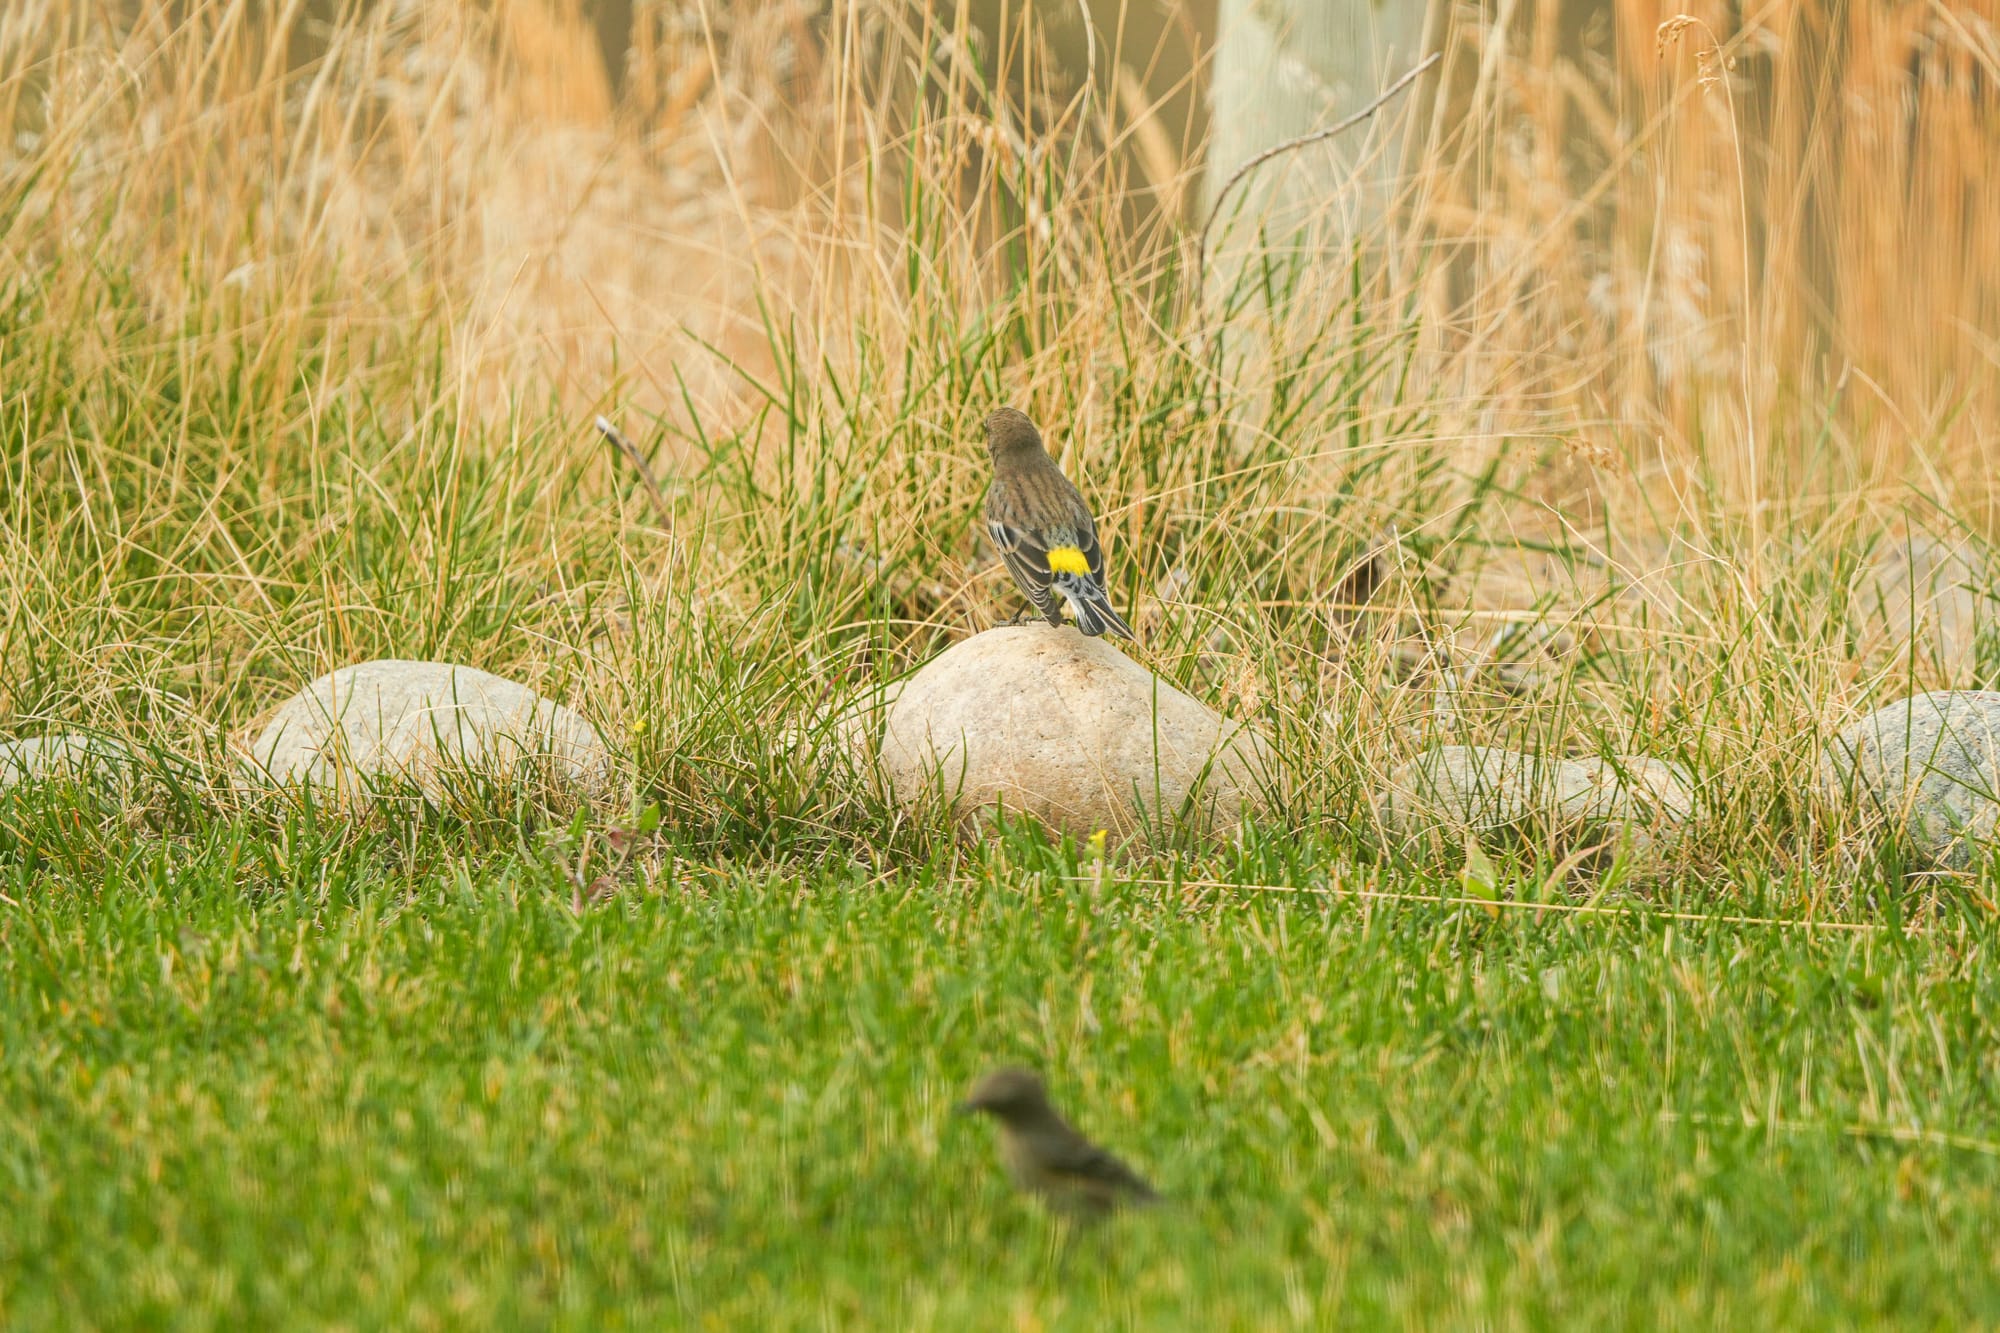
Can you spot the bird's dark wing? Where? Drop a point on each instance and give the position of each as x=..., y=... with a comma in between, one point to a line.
x=1027, y=549
x=1084, y=1166
x=1027, y=559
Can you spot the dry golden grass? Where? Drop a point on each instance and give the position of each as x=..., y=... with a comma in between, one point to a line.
x=1621, y=415
x=308, y=316
x=1782, y=217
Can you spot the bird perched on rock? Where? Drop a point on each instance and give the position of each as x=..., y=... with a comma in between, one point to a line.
x=1046, y=1157
x=1043, y=530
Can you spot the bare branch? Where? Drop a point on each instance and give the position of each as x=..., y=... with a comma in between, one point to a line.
x=638, y=460
x=1221, y=195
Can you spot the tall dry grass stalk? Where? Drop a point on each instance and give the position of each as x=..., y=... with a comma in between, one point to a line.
x=1789, y=207
x=307, y=313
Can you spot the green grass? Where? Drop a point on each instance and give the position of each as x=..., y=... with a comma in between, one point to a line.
x=264, y=1064
x=265, y=1080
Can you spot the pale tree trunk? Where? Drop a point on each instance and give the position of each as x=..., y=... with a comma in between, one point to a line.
x=1283, y=68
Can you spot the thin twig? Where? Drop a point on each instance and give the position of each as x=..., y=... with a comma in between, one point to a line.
x=1222, y=195
x=638, y=460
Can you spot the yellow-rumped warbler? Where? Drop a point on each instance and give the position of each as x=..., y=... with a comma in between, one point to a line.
x=1046, y=1157
x=1042, y=528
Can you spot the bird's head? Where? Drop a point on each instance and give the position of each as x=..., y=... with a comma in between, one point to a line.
x=1009, y=1094
x=1009, y=433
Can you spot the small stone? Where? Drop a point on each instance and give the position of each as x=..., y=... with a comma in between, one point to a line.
x=857, y=725
x=1922, y=598
x=847, y=736
x=1050, y=723
x=64, y=754
x=1475, y=788
x=1483, y=790
x=1930, y=766
x=1628, y=789
x=414, y=720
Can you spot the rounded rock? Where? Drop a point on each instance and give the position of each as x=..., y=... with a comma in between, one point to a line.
x=1930, y=766
x=1486, y=789
x=412, y=721
x=1050, y=723
x=1628, y=790
x=1465, y=788
x=1925, y=599
x=64, y=754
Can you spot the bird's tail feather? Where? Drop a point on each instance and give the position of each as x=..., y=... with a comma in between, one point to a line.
x=1094, y=616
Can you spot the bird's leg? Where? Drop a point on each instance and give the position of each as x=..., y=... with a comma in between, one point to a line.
x=1021, y=617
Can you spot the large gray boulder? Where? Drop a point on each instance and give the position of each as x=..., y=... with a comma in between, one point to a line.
x=1485, y=790
x=1927, y=766
x=420, y=722
x=1068, y=729
x=62, y=755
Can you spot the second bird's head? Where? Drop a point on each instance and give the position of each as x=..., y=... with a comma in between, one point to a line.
x=1010, y=434
x=1008, y=1095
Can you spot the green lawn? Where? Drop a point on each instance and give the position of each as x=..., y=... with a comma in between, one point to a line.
x=304, y=318
x=259, y=1076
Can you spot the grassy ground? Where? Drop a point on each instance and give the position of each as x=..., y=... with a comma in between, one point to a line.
x=301, y=330
x=244, y=1086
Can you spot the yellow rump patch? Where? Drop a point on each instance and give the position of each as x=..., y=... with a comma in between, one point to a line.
x=1068, y=560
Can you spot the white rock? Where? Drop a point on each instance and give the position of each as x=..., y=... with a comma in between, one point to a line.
x=1465, y=787
x=1924, y=597
x=416, y=720
x=849, y=733
x=1929, y=766
x=1047, y=722
x=1627, y=789
x=63, y=754
x=1484, y=789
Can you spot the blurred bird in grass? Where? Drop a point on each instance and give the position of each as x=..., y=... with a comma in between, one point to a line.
x=1046, y=1157
x=1043, y=529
